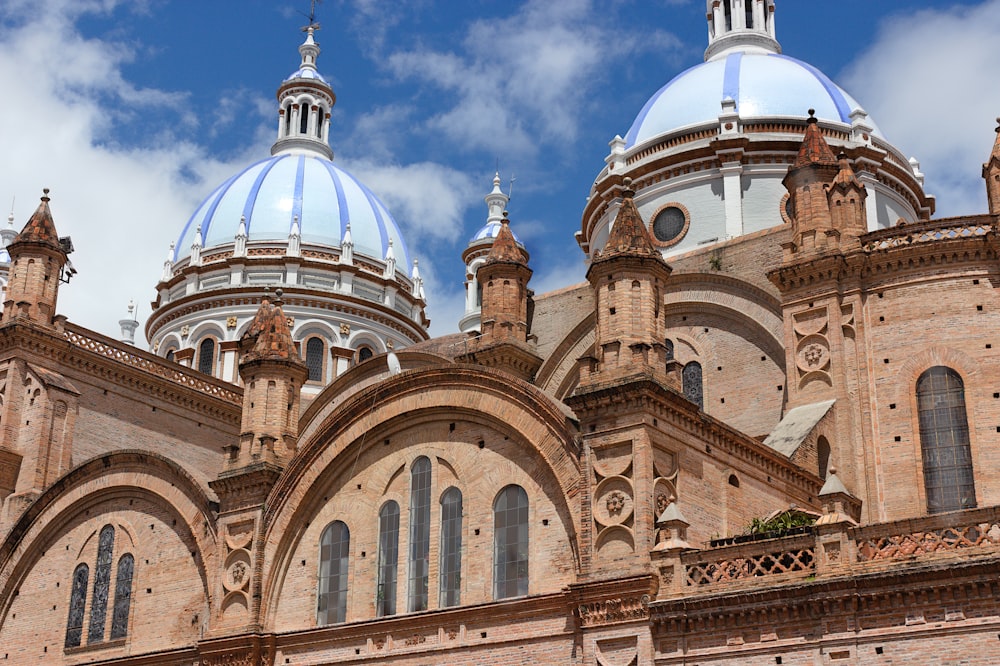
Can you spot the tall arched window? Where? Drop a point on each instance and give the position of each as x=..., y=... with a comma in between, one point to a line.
x=510, y=543
x=314, y=359
x=102, y=583
x=420, y=533
x=450, y=558
x=123, y=597
x=669, y=344
x=944, y=441
x=304, y=118
x=388, y=557
x=334, y=559
x=206, y=356
x=691, y=381
x=77, y=604
x=823, y=456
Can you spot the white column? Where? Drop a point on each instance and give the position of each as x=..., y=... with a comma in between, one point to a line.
x=720, y=20
x=739, y=15
x=758, y=15
x=733, y=197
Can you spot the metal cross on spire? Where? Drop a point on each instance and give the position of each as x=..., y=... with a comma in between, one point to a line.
x=311, y=16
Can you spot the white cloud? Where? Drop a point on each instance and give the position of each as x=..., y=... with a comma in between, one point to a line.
x=929, y=80
x=519, y=83
x=65, y=100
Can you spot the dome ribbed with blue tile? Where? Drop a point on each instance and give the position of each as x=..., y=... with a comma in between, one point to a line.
x=272, y=193
x=762, y=85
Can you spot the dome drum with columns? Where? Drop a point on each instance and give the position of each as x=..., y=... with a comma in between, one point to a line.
x=715, y=142
x=297, y=222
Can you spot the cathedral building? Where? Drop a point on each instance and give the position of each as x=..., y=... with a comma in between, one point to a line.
x=764, y=430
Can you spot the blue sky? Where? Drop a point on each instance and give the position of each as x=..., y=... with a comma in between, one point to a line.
x=132, y=112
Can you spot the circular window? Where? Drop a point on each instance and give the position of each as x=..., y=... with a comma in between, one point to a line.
x=670, y=224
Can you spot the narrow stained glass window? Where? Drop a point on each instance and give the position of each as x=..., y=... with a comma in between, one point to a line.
x=510, y=543
x=77, y=604
x=334, y=559
x=123, y=597
x=102, y=582
x=691, y=381
x=420, y=533
x=944, y=441
x=206, y=356
x=314, y=359
x=451, y=548
x=388, y=559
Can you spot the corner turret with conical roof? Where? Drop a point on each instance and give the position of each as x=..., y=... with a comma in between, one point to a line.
x=991, y=174
x=38, y=258
x=505, y=340
x=628, y=277
x=814, y=168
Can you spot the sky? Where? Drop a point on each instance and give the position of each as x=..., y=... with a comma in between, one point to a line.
x=132, y=112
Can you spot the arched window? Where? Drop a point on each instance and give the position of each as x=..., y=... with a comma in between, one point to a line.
x=450, y=569
x=170, y=355
x=320, y=116
x=691, y=381
x=388, y=556
x=123, y=597
x=314, y=359
x=206, y=356
x=102, y=582
x=944, y=441
x=510, y=543
x=288, y=119
x=77, y=604
x=669, y=344
x=420, y=533
x=334, y=559
x=365, y=353
x=303, y=118
x=823, y=457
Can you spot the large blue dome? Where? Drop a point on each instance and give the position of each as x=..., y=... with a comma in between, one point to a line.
x=272, y=193
x=762, y=85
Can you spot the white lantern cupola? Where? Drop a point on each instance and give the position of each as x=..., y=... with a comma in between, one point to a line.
x=305, y=100
x=746, y=26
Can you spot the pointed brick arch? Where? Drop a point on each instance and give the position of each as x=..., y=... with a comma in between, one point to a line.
x=436, y=394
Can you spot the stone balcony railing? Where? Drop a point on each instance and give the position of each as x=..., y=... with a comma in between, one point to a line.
x=925, y=232
x=833, y=549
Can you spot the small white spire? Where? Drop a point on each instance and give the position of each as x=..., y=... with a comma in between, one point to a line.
x=496, y=202
x=129, y=324
x=168, y=265
x=294, y=238
x=240, y=246
x=196, y=248
x=390, y=263
x=347, y=247
x=418, y=282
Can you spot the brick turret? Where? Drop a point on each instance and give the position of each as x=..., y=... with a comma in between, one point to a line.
x=273, y=375
x=991, y=174
x=846, y=196
x=628, y=278
x=37, y=260
x=814, y=168
x=505, y=341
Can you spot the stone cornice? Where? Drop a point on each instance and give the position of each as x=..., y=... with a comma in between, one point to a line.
x=912, y=251
x=642, y=394
x=141, y=372
x=294, y=295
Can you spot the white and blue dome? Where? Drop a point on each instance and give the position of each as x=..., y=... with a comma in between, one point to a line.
x=761, y=84
x=489, y=231
x=272, y=193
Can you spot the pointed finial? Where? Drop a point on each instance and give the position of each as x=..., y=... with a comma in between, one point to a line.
x=998, y=125
x=45, y=194
x=812, y=116
x=278, y=293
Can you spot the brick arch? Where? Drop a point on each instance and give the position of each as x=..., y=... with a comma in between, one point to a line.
x=437, y=394
x=911, y=369
x=121, y=475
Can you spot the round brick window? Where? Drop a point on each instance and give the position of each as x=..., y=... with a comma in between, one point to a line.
x=669, y=225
